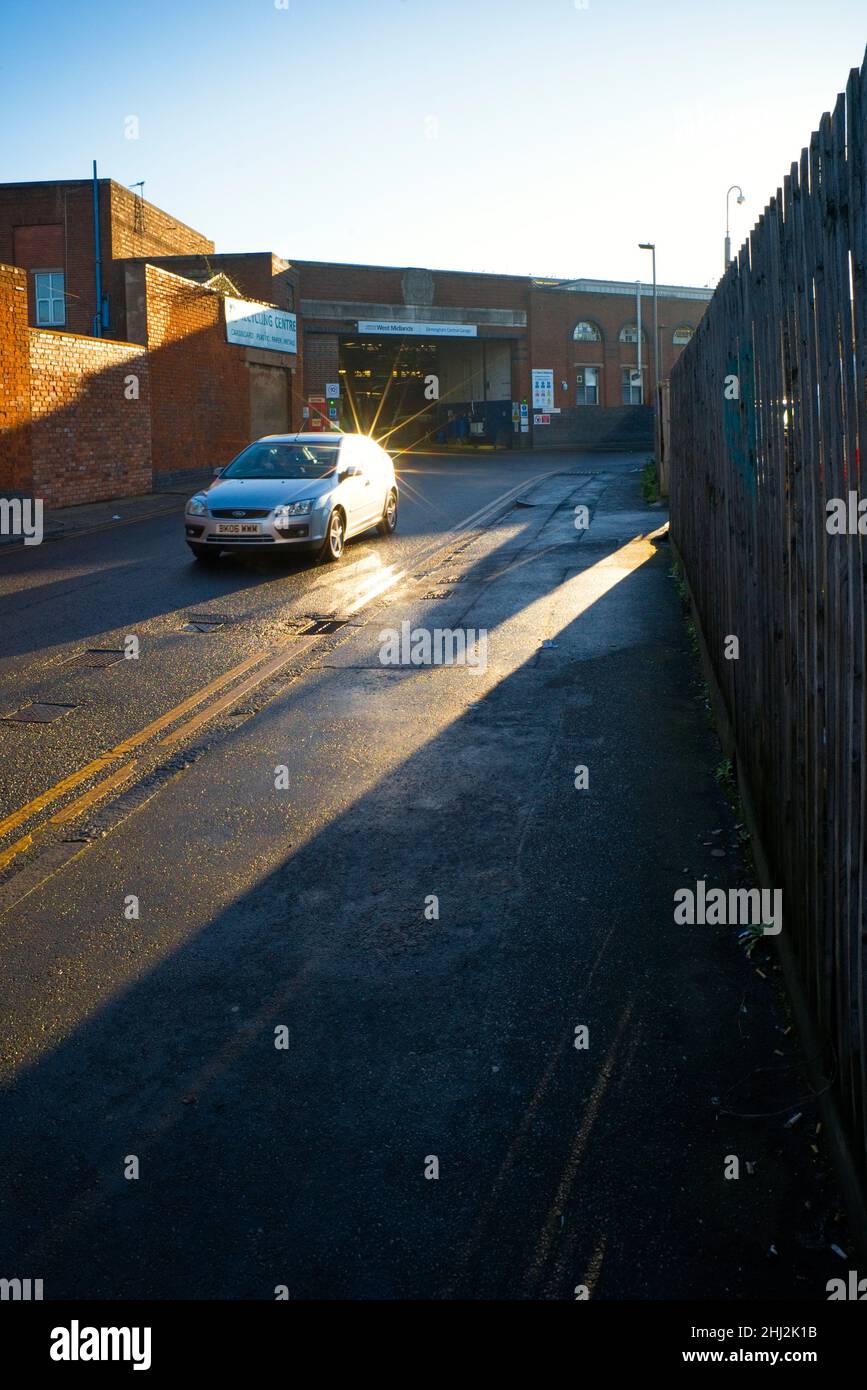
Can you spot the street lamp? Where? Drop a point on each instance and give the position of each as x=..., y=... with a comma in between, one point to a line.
x=651, y=246
x=741, y=199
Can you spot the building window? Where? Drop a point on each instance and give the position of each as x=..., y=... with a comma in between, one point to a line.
x=587, y=386
x=586, y=332
x=682, y=335
x=629, y=333
x=633, y=393
x=50, y=298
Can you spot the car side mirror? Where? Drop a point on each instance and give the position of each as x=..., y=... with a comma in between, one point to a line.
x=350, y=471
x=217, y=472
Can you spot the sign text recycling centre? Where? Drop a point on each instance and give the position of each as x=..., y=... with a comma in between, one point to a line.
x=260, y=325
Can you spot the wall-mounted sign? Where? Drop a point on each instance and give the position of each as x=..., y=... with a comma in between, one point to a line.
x=251, y=324
x=525, y=418
x=543, y=388
x=419, y=330
x=332, y=390
x=541, y=419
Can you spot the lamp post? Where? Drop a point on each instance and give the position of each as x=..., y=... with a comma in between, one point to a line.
x=651, y=246
x=741, y=199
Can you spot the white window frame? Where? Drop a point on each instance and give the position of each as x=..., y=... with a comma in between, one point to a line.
x=52, y=298
x=590, y=324
x=588, y=367
x=631, y=328
x=626, y=384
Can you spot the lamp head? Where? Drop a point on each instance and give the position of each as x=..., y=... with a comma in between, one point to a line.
x=741, y=198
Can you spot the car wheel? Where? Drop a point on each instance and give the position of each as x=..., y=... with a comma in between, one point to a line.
x=335, y=538
x=205, y=554
x=388, y=525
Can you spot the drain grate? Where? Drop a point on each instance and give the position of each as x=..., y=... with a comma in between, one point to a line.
x=205, y=622
x=38, y=714
x=437, y=593
x=320, y=626
x=95, y=658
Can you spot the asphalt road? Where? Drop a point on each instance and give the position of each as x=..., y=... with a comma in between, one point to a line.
x=294, y=942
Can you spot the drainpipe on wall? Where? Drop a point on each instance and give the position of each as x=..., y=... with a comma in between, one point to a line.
x=97, y=318
x=638, y=325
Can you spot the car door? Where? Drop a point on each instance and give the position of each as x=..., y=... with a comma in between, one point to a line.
x=352, y=490
x=374, y=482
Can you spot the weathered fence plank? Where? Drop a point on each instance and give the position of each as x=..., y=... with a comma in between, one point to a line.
x=754, y=467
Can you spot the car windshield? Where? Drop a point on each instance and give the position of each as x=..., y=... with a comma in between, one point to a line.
x=284, y=461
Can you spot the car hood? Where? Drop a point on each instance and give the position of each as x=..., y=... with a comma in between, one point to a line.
x=265, y=492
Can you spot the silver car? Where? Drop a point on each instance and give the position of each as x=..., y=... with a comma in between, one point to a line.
x=310, y=491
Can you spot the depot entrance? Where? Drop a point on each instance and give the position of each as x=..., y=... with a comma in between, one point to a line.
x=416, y=391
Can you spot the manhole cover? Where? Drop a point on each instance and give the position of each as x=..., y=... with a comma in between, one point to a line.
x=38, y=714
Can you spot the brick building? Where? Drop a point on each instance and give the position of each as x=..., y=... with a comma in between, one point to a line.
x=49, y=230
x=488, y=339
x=427, y=355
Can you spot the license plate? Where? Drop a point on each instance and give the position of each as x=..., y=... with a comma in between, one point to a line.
x=238, y=528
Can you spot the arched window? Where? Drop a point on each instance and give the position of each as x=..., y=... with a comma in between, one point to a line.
x=586, y=332
x=629, y=333
x=682, y=335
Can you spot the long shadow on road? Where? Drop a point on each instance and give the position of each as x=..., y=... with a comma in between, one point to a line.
x=410, y=1040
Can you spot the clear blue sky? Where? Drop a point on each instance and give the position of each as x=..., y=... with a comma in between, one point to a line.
x=524, y=136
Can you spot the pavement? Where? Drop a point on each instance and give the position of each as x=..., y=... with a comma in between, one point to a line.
x=61, y=522
x=402, y=1010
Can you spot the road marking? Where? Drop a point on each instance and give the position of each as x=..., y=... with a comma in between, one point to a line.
x=81, y=803
x=105, y=760
x=285, y=655
x=18, y=848
x=121, y=750
x=388, y=580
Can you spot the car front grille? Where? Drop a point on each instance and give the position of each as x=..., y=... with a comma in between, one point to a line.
x=238, y=514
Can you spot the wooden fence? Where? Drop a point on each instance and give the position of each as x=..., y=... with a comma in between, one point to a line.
x=768, y=425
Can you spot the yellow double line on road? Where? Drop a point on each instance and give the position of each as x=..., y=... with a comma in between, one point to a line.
x=106, y=760
x=122, y=750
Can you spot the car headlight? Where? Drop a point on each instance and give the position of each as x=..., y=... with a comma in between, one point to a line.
x=197, y=506
x=293, y=509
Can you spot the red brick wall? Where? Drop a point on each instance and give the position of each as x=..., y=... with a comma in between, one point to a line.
x=321, y=356
x=554, y=314
x=89, y=440
x=384, y=285
x=65, y=210
x=256, y=274
x=199, y=382
x=15, y=454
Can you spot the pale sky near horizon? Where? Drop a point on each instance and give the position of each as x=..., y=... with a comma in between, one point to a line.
x=519, y=136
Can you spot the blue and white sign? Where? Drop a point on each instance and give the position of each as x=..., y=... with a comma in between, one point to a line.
x=251, y=324
x=419, y=330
